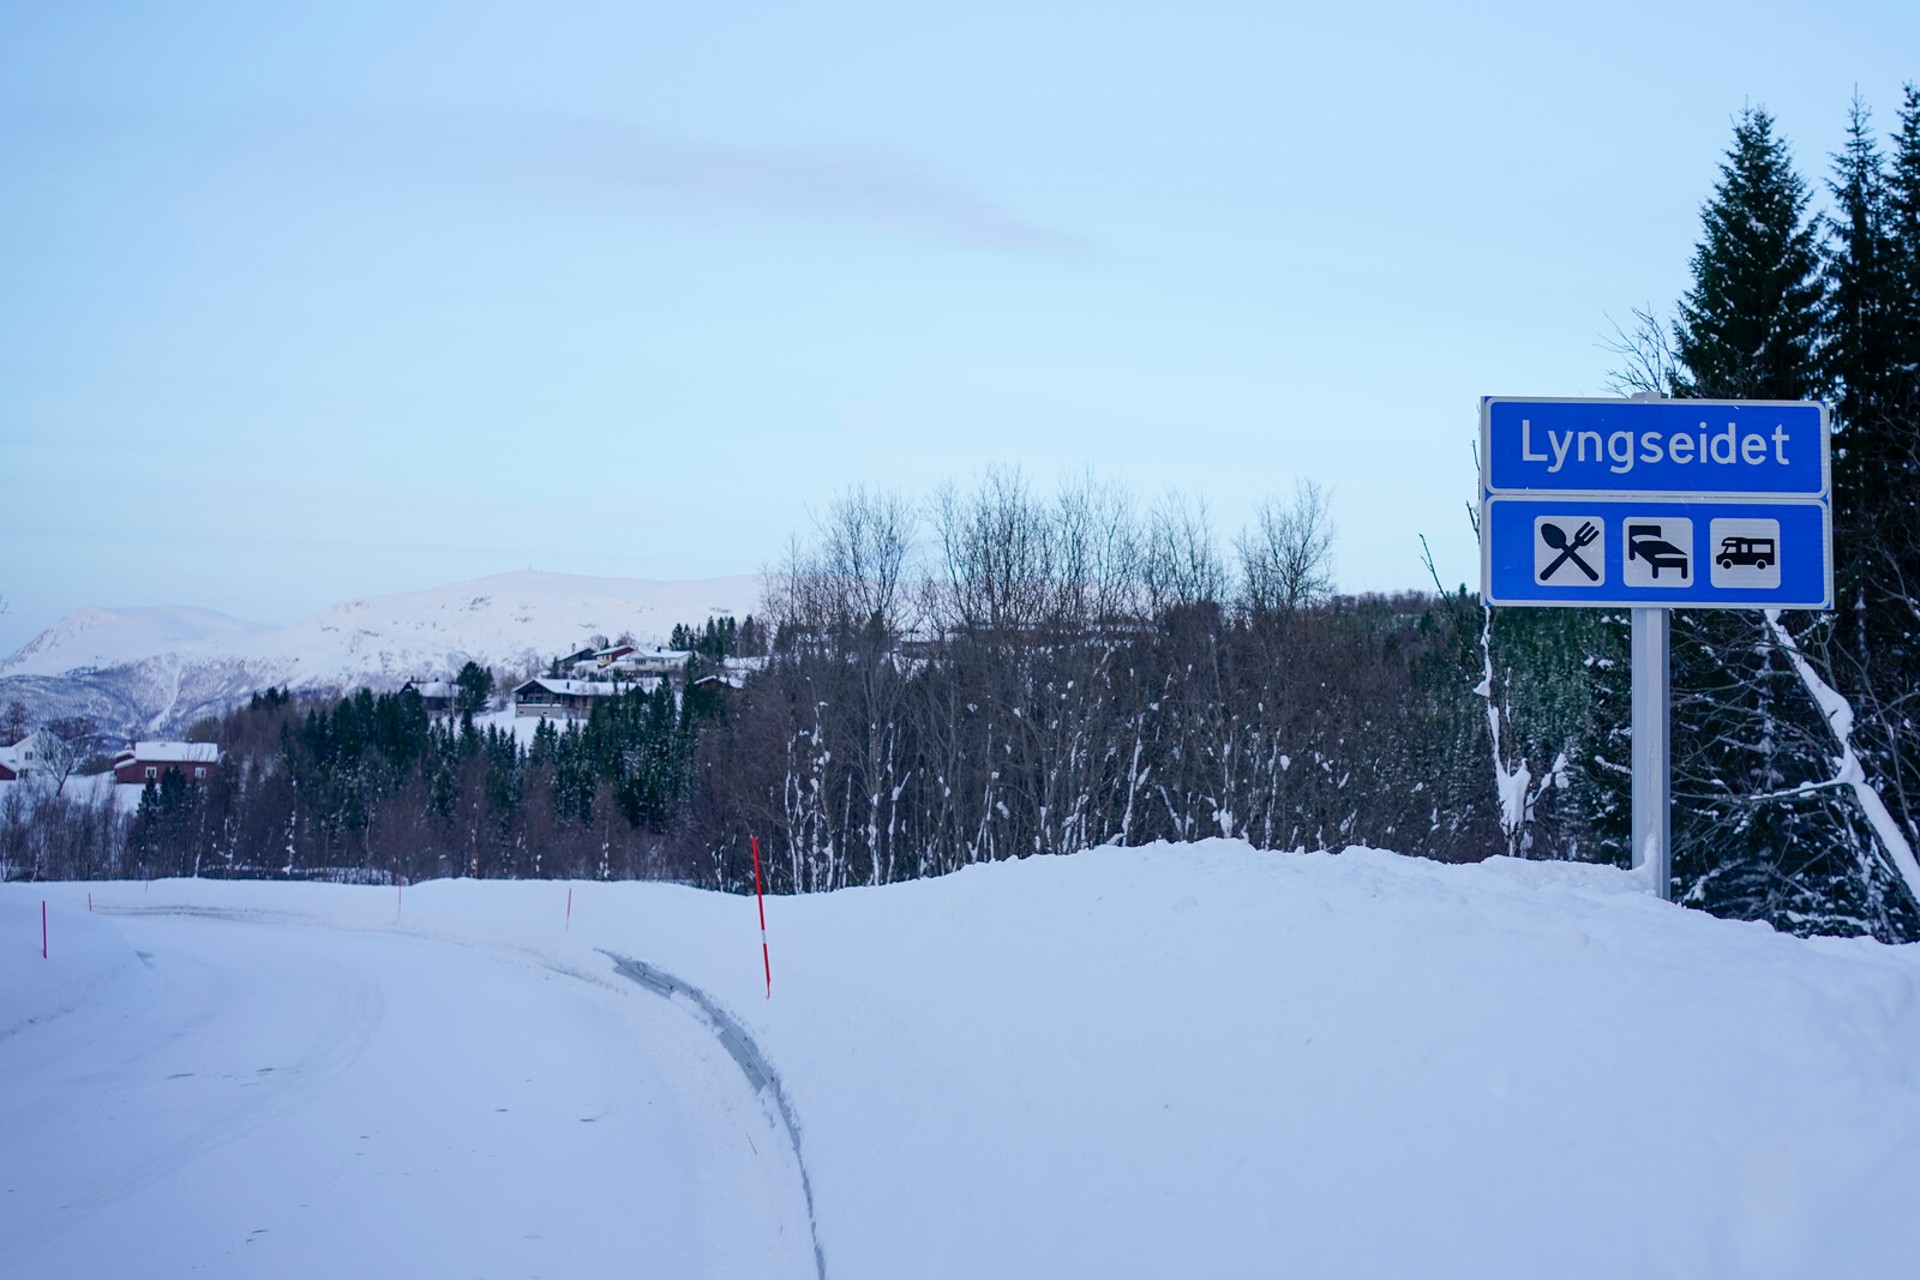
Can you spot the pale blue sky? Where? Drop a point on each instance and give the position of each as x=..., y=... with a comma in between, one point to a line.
x=305, y=306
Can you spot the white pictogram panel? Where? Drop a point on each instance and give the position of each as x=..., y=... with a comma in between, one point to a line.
x=1657, y=551
x=1744, y=553
x=1569, y=551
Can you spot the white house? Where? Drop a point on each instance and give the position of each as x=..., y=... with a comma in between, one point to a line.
x=35, y=753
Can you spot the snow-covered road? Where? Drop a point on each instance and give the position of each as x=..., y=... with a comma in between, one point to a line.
x=270, y=1099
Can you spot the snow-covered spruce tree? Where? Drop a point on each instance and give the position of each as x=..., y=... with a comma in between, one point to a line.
x=1748, y=327
x=1864, y=315
x=1748, y=330
x=1873, y=653
x=1865, y=668
x=1902, y=226
x=1764, y=827
x=1898, y=410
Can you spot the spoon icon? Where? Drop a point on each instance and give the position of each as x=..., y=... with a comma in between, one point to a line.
x=1556, y=538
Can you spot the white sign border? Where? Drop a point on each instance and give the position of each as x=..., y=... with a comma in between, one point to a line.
x=1656, y=495
x=1611, y=499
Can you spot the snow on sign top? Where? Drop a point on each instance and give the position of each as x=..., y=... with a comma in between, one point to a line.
x=1666, y=448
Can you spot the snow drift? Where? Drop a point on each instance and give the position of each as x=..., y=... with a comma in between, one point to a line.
x=1208, y=1060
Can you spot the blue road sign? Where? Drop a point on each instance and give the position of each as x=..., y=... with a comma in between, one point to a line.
x=1683, y=448
x=1627, y=552
x=1696, y=504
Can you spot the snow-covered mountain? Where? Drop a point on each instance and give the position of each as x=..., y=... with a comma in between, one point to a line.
x=156, y=671
x=97, y=638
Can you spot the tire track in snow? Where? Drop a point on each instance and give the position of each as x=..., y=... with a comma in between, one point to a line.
x=726, y=1029
x=745, y=1054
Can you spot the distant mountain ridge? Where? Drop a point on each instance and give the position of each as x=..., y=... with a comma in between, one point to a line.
x=92, y=637
x=154, y=671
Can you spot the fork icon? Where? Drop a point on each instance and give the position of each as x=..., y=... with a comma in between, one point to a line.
x=1556, y=537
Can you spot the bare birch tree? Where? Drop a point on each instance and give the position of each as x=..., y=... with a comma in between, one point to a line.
x=1286, y=558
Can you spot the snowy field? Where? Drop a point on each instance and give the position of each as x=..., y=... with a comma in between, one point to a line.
x=1172, y=1061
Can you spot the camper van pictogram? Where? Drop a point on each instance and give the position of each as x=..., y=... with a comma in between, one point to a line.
x=1757, y=552
x=1744, y=552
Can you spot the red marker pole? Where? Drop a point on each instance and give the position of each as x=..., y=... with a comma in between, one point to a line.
x=89, y=904
x=569, y=906
x=399, y=894
x=766, y=960
x=43, y=934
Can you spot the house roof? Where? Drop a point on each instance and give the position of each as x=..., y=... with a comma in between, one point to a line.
x=170, y=753
x=655, y=657
x=575, y=688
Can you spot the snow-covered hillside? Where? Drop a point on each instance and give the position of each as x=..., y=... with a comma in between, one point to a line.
x=156, y=671
x=93, y=638
x=1165, y=1061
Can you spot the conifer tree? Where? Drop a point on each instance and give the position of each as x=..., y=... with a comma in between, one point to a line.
x=475, y=686
x=1757, y=833
x=1873, y=321
x=1902, y=388
x=1903, y=235
x=1863, y=311
x=1748, y=326
x=1864, y=320
x=1879, y=546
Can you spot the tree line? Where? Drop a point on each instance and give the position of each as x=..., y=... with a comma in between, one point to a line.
x=373, y=786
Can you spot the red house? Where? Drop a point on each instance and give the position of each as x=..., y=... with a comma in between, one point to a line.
x=150, y=761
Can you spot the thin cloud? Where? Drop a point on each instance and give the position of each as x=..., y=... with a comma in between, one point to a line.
x=590, y=166
x=823, y=184
x=843, y=185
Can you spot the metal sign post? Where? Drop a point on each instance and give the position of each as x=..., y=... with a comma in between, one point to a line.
x=1652, y=766
x=1653, y=505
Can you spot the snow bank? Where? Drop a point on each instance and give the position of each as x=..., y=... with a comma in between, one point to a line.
x=84, y=953
x=1207, y=1060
